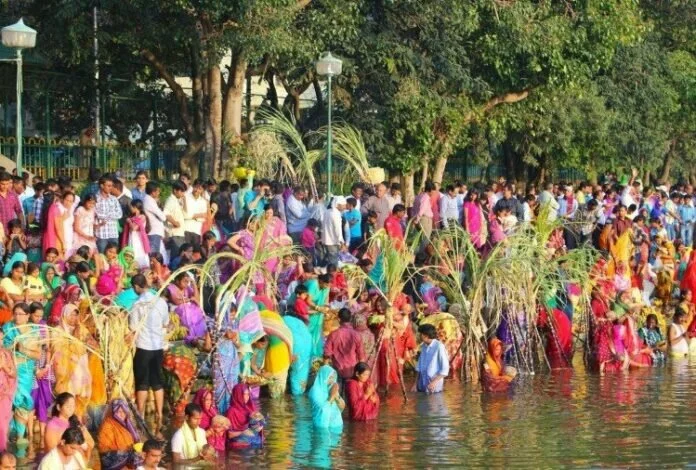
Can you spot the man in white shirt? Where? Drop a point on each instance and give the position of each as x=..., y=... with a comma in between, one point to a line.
x=195, y=210
x=297, y=213
x=449, y=207
x=148, y=322
x=188, y=442
x=174, y=210
x=332, y=230
x=155, y=216
x=548, y=202
x=394, y=196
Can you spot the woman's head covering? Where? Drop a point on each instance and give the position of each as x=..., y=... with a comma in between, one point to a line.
x=495, y=364
x=18, y=256
x=56, y=279
x=208, y=413
x=239, y=411
x=67, y=310
x=319, y=393
x=120, y=404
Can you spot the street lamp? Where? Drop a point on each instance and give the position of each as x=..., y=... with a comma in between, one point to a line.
x=19, y=36
x=329, y=65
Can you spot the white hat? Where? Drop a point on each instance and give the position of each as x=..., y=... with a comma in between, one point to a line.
x=339, y=201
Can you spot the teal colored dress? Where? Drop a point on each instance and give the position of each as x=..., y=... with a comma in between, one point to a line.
x=23, y=403
x=320, y=297
x=302, y=350
x=325, y=414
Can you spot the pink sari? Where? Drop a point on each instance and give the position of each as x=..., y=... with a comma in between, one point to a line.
x=140, y=221
x=50, y=237
x=274, y=235
x=474, y=223
x=8, y=385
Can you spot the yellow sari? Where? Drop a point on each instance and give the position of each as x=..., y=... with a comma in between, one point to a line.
x=621, y=253
x=71, y=362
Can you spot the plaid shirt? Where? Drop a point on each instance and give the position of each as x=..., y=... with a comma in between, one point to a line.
x=38, y=206
x=108, y=210
x=10, y=208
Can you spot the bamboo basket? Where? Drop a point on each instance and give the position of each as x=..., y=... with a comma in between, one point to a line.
x=376, y=174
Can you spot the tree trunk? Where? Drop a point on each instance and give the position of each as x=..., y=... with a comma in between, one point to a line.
x=407, y=185
x=424, y=177
x=440, y=166
x=213, y=128
x=667, y=163
x=234, y=98
x=188, y=163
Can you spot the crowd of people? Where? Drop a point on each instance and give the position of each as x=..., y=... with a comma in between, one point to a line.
x=312, y=317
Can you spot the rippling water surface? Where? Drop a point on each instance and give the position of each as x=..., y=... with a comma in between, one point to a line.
x=570, y=418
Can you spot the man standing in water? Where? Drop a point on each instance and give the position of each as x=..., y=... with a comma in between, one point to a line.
x=433, y=363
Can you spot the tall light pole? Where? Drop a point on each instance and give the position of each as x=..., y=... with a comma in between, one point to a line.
x=19, y=37
x=329, y=65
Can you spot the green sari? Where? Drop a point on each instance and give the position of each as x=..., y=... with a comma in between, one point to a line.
x=130, y=268
x=52, y=288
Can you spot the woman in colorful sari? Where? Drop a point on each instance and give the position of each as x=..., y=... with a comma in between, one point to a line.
x=71, y=359
x=366, y=336
x=70, y=294
x=58, y=225
x=246, y=422
x=301, y=353
x=205, y=399
x=110, y=271
x=326, y=401
x=244, y=243
x=289, y=271
x=180, y=367
x=318, y=290
x=275, y=234
x=160, y=270
x=26, y=352
x=182, y=294
x=652, y=337
x=227, y=356
x=559, y=338
x=280, y=344
x=474, y=220
x=51, y=283
x=8, y=386
x=117, y=436
x=135, y=234
x=42, y=391
x=363, y=400
x=126, y=258
x=494, y=377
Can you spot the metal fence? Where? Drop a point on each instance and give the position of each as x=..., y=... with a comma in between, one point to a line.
x=51, y=158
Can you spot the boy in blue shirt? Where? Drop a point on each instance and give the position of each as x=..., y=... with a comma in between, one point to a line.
x=354, y=219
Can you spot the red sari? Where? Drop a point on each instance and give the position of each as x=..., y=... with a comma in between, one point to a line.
x=559, y=342
x=361, y=408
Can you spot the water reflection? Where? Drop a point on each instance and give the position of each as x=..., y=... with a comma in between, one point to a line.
x=568, y=418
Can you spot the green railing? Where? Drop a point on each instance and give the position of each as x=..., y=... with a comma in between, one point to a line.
x=59, y=157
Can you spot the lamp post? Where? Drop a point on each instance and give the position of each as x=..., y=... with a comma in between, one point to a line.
x=19, y=37
x=329, y=65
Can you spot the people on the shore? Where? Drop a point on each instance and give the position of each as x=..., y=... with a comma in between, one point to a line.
x=137, y=293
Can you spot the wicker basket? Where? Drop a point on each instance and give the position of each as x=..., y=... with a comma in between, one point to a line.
x=376, y=175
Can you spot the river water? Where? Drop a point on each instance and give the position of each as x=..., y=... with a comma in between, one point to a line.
x=646, y=418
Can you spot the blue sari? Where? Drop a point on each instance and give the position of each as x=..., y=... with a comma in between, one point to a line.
x=325, y=414
x=126, y=298
x=23, y=403
x=302, y=350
